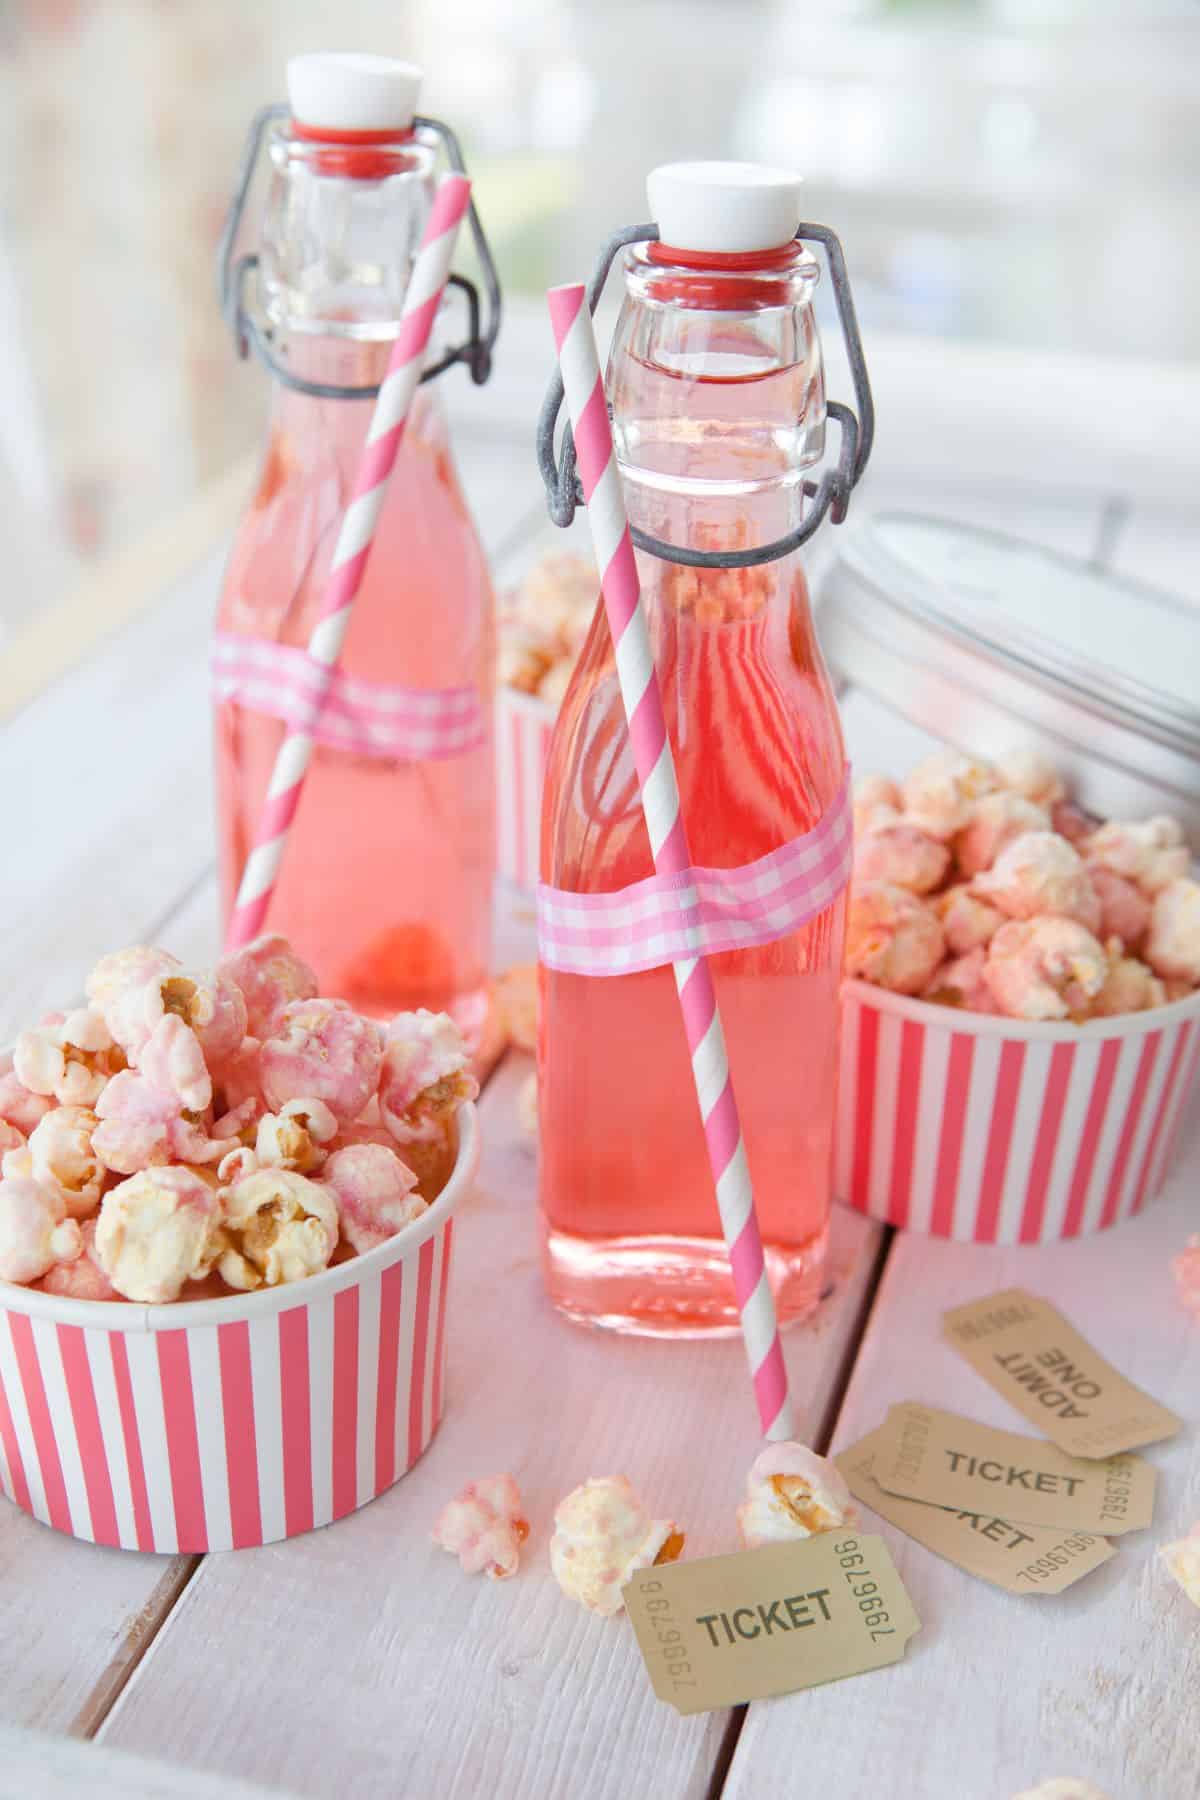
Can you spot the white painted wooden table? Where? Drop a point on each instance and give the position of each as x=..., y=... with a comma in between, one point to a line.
x=358, y=1659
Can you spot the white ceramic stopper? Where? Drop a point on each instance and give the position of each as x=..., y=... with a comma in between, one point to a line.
x=727, y=207
x=344, y=91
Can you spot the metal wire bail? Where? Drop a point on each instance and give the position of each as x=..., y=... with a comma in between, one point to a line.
x=830, y=495
x=251, y=333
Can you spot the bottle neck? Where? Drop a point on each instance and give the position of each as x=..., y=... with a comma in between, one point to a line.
x=717, y=390
x=341, y=227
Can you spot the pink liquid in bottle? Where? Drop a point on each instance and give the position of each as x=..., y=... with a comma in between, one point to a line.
x=386, y=880
x=718, y=408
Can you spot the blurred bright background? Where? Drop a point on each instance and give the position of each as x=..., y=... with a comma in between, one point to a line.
x=1016, y=171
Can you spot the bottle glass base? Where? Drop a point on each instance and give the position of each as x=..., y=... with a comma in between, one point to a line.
x=671, y=1287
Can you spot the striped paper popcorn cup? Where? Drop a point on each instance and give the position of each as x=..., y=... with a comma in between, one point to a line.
x=218, y=1424
x=523, y=727
x=994, y=1131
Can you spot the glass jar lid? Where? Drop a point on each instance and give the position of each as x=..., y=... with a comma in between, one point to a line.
x=984, y=641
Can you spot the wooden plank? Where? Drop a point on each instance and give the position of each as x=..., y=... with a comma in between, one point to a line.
x=998, y=1691
x=33, y=1764
x=420, y=1678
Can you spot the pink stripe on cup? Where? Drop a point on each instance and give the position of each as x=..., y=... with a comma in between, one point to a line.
x=1089, y=1139
x=344, y=1448
x=954, y=1122
x=1000, y=1133
x=295, y=1406
x=864, y=1100
x=416, y=1390
x=40, y=1422
x=85, y=1415
x=1133, y=1118
x=142, y=1524
x=1164, y=1106
x=12, y=1454
x=391, y=1290
x=1046, y=1144
x=439, y=1349
x=183, y=1443
x=241, y=1458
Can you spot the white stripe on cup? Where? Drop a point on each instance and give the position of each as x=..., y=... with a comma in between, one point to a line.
x=1110, y=1134
x=883, y=1127
x=146, y=1382
x=268, y=1424
x=368, y=1385
x=976, y=1137
x=935, y=1063
x=320, y=1389
x=10, y=1375
x=104, y=1386
x=62, y=1420
x=209, y=1407
x=1150, y=1105
x=1070, y=1133
x=1030, y=1099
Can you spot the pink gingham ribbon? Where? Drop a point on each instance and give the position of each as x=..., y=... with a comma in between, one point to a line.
x=698, y=912
x=368, y=718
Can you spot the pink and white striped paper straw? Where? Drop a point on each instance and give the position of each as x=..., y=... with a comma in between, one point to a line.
x=584, y=389
x=430, y=270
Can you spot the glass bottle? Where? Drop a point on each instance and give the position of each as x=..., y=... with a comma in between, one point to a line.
x=716, y=390
x=386, y=881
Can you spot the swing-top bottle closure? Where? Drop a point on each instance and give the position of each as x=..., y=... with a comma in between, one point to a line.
x=728, y=238
x=347, y=145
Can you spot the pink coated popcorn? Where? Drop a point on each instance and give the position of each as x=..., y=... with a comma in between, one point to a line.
x=10, y=1139
x=1070, y=821
x=269, y=976
x=239, y=1079
x=558, y=596
x=212, y=1005
x=960, y=982
x=157, y=1231
x=876, y=802
x=64, y=1159
x=426, y=1076
x=1186, y=1269
x=276, y=1227
x=968, y=921
x=941, y=791
x=1129, y=986
x=374, y=1193
x=172, y=1061
x=1182, y=1562
x=240, y=1123
x=1039, y=873
x=1173, y=943
x=484, y=1528
x=523, y=657
x=994, y=822
x=1045, y=968
x=82, y=1279
x=321, y=1050
x=142, y=1126
x=791, y=1492
x=603, y=1535
x=297, y=1137
x=1027, y=772
x=1124, y=909
x=555, y=682
x=1151, y=853
x=236, y=1164
x=892, y=938
x=19, y=1105
x=68, y=1057
x=34, y=1230
x=902, y=854
x=120, y=976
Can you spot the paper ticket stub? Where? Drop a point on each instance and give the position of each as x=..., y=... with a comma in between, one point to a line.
x=1022, y=1559
x=1027, y=1351
x=735, y=1628
x=945, y=1460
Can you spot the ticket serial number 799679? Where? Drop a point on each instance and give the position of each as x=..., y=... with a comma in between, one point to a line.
x=670, y=1636
x=864, y=1588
